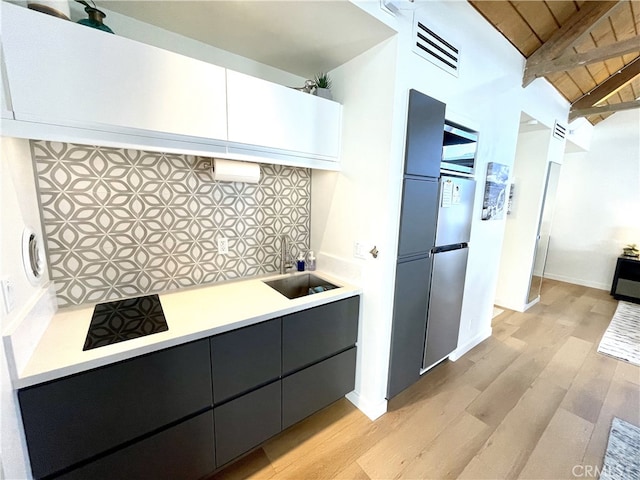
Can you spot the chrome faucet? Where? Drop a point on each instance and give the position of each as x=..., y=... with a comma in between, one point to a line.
x=286, y=262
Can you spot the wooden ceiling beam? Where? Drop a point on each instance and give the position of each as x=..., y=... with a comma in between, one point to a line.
x=609, y=86
x=580, y=24
x=616, y=107
x=568, y=62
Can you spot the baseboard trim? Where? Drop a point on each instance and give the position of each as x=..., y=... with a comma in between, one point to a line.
x=520, y=307
x=370, y=409
x=577, y=281
x=531, y=303
x=461, y=350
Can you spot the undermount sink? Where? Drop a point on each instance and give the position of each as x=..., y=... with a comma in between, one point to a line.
x=297, y=286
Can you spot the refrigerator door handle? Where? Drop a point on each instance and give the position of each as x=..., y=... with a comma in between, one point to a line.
x=448, y=248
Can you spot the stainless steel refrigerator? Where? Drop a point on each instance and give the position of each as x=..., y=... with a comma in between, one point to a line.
x=449, y=267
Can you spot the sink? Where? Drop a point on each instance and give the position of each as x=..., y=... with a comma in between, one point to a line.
x=297, y=286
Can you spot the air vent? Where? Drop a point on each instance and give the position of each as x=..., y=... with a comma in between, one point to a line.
x=435, y=49
x=559, y=131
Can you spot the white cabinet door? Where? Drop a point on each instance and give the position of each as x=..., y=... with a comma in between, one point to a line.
x=265, y=114
x=5, y=99
x=68, y=74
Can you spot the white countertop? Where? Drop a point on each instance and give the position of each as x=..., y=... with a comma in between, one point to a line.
x=191, y=314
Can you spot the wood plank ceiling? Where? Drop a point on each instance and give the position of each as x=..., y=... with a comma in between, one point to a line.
x=561, y=40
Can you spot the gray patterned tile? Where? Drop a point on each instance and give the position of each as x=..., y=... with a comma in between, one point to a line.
x=122, y=222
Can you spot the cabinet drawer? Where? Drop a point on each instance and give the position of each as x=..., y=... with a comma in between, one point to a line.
x=311, y=335
x=184, y=451
x=74, y=418
x=315, y=387
x=244, y=359
x=247, y=421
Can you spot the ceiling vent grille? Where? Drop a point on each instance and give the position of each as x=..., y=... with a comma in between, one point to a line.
x=559, y=131
x=435, y=49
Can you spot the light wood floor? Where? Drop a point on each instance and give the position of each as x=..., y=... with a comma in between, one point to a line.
x=533, y=401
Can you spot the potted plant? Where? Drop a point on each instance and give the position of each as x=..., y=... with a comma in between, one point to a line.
x=323, y=86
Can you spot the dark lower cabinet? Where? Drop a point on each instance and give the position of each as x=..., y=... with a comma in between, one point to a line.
x=183, y=451
x=315, y=387
x=247, y=421
x=74, y=418
x=314, y=334
x=246, y=358
x=183, y=412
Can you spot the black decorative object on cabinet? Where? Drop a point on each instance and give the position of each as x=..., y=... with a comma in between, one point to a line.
x=94, y=17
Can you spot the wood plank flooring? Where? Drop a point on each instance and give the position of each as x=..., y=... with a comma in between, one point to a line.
x=533, y=401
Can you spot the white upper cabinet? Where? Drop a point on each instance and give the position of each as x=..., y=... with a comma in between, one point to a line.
x=265, y=114
x=5, y=100
x=73, y=83
x=67, y=74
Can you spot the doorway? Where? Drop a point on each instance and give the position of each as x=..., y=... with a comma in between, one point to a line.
x=520, y=259
x=543, y=238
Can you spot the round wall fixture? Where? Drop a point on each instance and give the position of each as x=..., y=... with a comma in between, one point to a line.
x=33, y=258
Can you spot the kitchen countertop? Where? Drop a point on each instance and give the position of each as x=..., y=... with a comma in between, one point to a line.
x=191, y=314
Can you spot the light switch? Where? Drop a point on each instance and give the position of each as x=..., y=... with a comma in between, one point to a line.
x=8, y=294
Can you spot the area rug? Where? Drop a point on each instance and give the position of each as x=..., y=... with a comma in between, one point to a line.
x=622, y=338
x=622, y=461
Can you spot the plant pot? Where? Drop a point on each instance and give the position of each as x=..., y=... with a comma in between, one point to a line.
x=324, y=93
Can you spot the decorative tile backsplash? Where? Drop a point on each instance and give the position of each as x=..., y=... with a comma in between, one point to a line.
x=122, y=223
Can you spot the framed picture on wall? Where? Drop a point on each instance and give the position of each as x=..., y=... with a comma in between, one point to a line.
x=495, y=192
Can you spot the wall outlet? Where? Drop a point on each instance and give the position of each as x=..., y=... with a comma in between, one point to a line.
x=8, y=294
x=359, y=250
x=223, y=246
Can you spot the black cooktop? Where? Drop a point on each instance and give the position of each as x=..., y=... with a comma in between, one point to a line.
x=122, y=320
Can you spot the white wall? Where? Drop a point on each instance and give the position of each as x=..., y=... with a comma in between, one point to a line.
x=518, y=250
x=486, y=96
x=579, y=135
x=597, y=205
x=34, y=304
x=354, y=205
